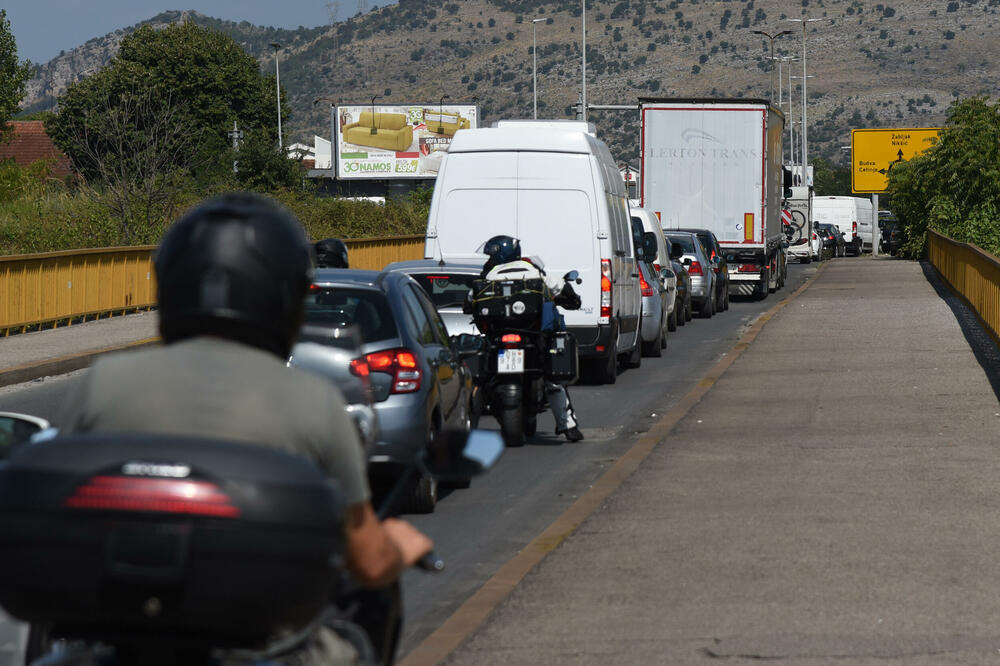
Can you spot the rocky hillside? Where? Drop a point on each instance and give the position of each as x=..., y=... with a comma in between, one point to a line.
x=871, y=65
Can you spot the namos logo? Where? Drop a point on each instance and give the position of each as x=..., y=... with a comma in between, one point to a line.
x=368, y=167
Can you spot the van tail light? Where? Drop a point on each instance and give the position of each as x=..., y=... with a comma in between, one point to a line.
x=854, y=228
x=749, y=268
x=695, y=268
x=644, y=286
x=511, y=339
x=401, y=364
x=605, y=317
x=157, y=495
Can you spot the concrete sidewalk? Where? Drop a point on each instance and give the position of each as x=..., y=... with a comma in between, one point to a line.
x=835, y=500
x=59, y=350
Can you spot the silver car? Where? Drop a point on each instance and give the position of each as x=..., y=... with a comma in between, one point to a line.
x=699, y=268
x=334, y=353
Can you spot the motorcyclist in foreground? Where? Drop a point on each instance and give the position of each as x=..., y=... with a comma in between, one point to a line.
x=504, y=254
x=232, y=275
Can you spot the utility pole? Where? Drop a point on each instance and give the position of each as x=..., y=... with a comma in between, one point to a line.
x=277, y=87
x=805, y=129
x=583, y=93
x=534, y=64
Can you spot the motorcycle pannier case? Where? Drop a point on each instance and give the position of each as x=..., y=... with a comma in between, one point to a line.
x=236, y=542
x=517, y=302
x=561, y=360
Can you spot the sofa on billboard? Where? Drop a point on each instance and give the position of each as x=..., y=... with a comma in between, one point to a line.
x=391, y=131
x=446, y=123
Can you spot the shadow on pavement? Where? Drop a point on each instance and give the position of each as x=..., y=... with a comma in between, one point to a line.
x=979, y=339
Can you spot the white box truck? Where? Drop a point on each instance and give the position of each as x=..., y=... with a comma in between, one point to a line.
x=716, y=164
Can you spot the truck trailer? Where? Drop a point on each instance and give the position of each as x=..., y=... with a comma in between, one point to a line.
x=716, y=164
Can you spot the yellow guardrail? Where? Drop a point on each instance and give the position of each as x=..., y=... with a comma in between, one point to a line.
x=73, y=285
x=972, y=272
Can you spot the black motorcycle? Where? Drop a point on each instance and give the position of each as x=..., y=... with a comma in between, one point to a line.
x=153, y=549
x=521, y=349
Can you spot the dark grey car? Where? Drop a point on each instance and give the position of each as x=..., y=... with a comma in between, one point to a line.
x=419, y=384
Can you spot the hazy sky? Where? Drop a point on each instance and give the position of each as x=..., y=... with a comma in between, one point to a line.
x=43, y=28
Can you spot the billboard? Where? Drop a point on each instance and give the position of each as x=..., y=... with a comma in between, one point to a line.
x=405, y=141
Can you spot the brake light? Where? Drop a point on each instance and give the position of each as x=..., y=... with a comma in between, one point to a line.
x=401, y=364
x=656, y=267
x=694, y=268
x=854, y=227
x=510, y=338
x=178, y=496
x=644, y=286
x=748, y=268
x=605, y=317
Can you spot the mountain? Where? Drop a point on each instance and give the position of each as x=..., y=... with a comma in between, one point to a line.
x=869, y=65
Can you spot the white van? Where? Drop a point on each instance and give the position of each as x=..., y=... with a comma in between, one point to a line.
x=560, y=194
x=852, y=215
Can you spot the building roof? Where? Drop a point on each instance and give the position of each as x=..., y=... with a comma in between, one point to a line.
x=29, y=142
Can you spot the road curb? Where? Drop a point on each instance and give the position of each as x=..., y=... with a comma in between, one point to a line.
x=473, y=613
x=63, y=364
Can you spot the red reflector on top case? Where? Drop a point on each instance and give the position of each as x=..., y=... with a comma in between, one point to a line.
x=121, y=493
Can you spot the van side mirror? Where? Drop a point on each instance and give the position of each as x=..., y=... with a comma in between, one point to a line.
x=649, y=248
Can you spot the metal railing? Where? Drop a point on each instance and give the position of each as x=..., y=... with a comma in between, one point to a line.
x=972, y=272
x=56, y=288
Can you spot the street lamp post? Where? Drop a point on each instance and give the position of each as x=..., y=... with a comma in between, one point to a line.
x=802, y=125
x=441, y=113
x=805, y=133
x=534, y=64
x=771, y=38
x=781, y=78
x=583, y=92
x=277, y=87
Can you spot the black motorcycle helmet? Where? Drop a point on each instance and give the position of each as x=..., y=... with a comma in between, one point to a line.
x=237, y=267
x=501, y=250
x=331, y=253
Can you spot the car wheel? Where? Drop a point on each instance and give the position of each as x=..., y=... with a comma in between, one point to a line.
x=688, y=312
x=654, y=347
x=672, y=320
x=634, y=358
x=708, y=307
x=725, y=298
x=607, y=370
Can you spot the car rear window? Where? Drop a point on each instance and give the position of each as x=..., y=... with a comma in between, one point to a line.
x=447, y=290
x=344, y=306
x=685, y=241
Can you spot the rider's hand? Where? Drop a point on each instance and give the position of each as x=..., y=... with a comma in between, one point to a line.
x=412, y=543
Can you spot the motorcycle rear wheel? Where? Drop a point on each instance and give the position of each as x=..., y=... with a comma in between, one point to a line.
x=512, y=425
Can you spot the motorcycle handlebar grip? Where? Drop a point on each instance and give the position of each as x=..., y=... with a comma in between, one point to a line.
x=431, y=563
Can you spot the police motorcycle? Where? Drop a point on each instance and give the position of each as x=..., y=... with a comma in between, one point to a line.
x=167, y=550
x=515, y=310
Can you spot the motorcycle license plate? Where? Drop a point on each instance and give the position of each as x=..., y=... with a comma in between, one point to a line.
x=510, y=360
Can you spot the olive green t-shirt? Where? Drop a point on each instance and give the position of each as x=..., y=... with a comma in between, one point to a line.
x=210, y=387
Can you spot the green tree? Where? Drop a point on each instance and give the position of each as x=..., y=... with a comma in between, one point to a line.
x=954, y=186
x=207, y=76
x=830, y=180
x=13, y=75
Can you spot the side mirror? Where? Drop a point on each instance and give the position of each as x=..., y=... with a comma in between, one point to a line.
x=17, y=429
x=716, y=260
x=649, y=247
x=467, y=344
x=687, y=261
x=786, y=180
x=455, y=455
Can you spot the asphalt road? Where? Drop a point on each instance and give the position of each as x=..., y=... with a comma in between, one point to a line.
x=478, y=529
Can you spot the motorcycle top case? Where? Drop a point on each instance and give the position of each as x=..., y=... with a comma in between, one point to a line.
x=518, y=302
x=152, y=533
x=561, y=360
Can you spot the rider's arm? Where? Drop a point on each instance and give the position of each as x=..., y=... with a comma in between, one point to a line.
x=377, y=552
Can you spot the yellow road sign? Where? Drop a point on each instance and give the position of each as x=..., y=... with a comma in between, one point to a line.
x=875, y=151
